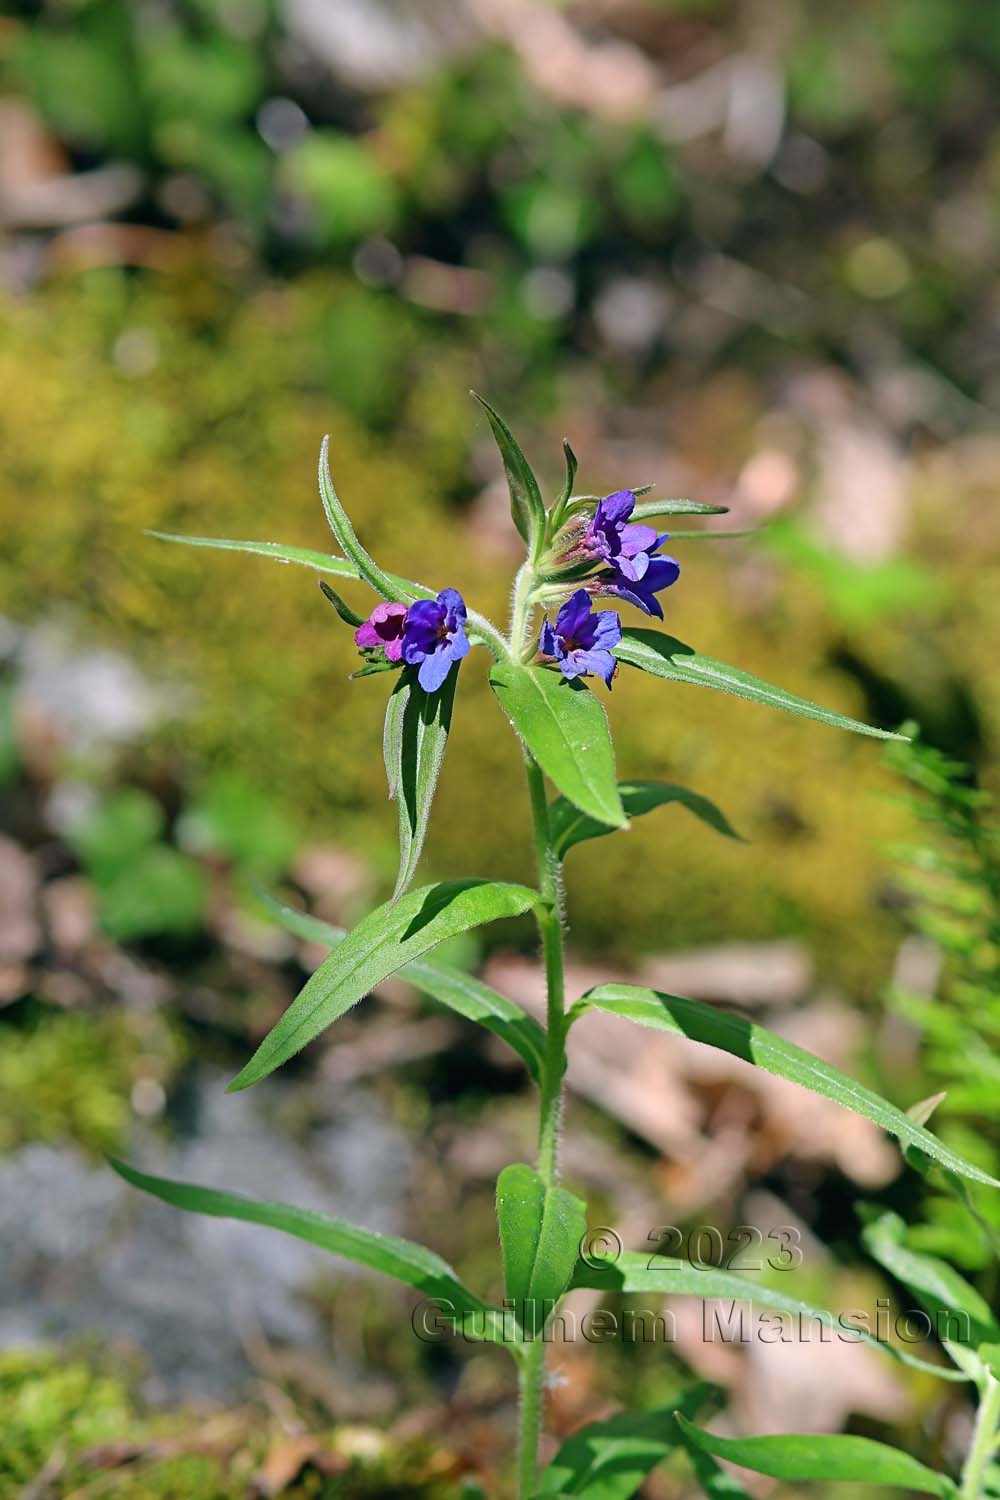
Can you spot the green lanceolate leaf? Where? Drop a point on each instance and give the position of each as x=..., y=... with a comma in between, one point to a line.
x=663, y=656
x=526, y=508
x=716, y=1481
x=413, y=1264
x=392, y=733
x=558, y=512
x=417, y=749
x=715, y=536
x=570, y=826
x=383, y=943
x=566, y=730
x=664, y=1275
x=540, y=1233
x=755, y=1044
x=452, y=987
x=609, y=1460
x=960, y=1315
x=675, y=508
x=320, y=562
x=798, y=1456
x=347, y=614
x=383, y=583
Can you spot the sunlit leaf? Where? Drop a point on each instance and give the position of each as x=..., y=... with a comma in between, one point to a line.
x=320, y=562
x=413, y=744
x=460, y=992
x=823, y=1457
x=412, y=1264
x=662, y=656
x=383, y=583
x=526, y=507
x=755, y=1044
x=566, y=730
x=540, y=1233
x=386, y=940
x=663, y=1275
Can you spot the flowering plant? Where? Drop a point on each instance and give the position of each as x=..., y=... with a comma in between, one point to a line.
x=580, y=551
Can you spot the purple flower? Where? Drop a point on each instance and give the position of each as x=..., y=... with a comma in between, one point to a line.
x=627, y=548
x=581, y=639
x=434, y=637
x=660, y=573
x=383, y=627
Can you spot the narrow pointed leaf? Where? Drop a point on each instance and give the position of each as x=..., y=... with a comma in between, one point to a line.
x=676, y=508
x=716, y=1481
x=347, y=614
x=662, y=656
x=392, y=733
x=558, y=512
x=566, y=730
x=755, y=1044
x=609, y=1460
x=424, y=723
x=526, y=508
x=383, y=943
x=664, y=1275
x=382, y=582
x=959, y=1313
x=571, y=826
x=320, y=562
x=540, y=1233
x=412, y=1264
x=704, y=535
x=460, y=992
x=819, y=1455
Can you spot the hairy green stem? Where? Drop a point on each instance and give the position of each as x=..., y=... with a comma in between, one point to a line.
x=532, y=1374
x=984, y=1439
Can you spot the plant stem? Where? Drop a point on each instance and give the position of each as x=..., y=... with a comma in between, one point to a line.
x=532, y=1373
x=983, y=1439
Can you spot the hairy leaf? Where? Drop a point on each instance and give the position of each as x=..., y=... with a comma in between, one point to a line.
x=382, y=943
x=413, y=1264
x=662, y=656
x=540, y=1233
x=755, y=1044
x=383, y=583
x=416, y=734
x=675, y=508
x=571, y=826
x=526, y=508
x=320, y=562
x=811, y=1455
x=460, y=992
x=566, y=730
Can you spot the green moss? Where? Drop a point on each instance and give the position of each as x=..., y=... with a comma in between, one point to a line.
x=69, y=1078
x=70, y=1415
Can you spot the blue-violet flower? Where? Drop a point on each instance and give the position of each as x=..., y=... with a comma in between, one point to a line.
x=434, y=637
x=581, y=639
x=626, y=547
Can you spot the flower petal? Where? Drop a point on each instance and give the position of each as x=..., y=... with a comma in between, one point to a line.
x=434, y=669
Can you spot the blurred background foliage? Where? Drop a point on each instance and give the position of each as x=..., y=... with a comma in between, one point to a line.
x=747, y=251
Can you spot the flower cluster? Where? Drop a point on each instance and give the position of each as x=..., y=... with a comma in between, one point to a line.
x=429, y=634
x=612, y=555
x=624, y=554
